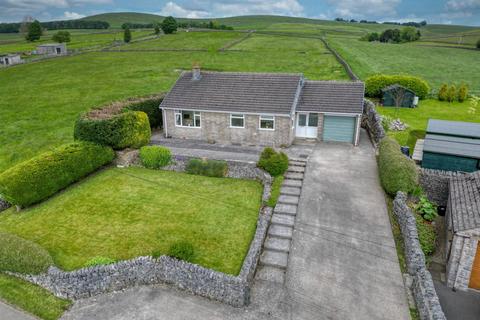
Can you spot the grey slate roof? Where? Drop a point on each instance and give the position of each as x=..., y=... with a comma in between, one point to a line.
x=465, y=202
x=454, y=128
x=332, y=96
x=270, y=93
x=456, y=146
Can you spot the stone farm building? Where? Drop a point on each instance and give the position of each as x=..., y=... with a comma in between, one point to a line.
x=58, y=49
x=261, y=108
x=463, y=233
x=10, y=59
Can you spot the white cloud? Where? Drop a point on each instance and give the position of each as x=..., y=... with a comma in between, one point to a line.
x=249, y=7
x=70, y=15
x=364, y=8
x=173, y=9
x=462, y=5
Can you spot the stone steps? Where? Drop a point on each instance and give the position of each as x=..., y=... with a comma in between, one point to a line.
x=296, y=169
x=292, y=183
x=283, y=220
x=277, y=244
x=288, y=209
x=294, y=175
x=282, y=232
x=274, y=259
x=272, y=274
x=298, y=163
x=291, y=191
x=288, y=199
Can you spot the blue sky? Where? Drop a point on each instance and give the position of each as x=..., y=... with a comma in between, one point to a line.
x=434, y=11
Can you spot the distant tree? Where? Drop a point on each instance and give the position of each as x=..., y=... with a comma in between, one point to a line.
x=478, y=44
x=27, y=20
x=373, y=37
x=353, y=20
x=391, y=35
x=127, y=35
x=410, y=34
x=61, y=36
x=451, y=93
x=157, y=29
x=443, y=92
x=462, y=93
x=423, y=23
x=169, y=25
x=34, y=31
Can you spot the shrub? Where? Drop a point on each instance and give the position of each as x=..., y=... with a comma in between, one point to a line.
x=426, y=209
x=127, y=35
x=151, y=107
x=462, y=94
x=182, y=250
x=42, y=176
x=99, y=261
x=375, y=84
x=451, y=93
x=61, y=36
x=275, y=163
x=209, y=168
x=426, y=235
x=275, y=193
x=119, y=131
x=397, y=172
x=155, y=157
x=22, y=256
x=386, y=121
x=442, y=93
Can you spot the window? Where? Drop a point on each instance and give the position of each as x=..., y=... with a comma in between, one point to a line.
x=313, y=119
x=267, y=122
x=237, y=120
x=187, y=119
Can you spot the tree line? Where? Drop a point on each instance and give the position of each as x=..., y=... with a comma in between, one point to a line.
x=406, y=24
x=407, y=34
x=183, y=25
x=56, y=25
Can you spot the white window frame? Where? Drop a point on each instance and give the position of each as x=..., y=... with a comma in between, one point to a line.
x=237, y=116
x=266, y=117
x=196, y=114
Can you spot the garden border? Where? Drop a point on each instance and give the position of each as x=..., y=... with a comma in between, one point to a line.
x=146, y=270
x=423, y=289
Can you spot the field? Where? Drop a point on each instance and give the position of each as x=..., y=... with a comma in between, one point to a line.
x=417, y=118
x=125, y=213
x=40, y=101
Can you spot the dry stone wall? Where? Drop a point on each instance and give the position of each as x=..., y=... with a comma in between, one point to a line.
x=372, y=121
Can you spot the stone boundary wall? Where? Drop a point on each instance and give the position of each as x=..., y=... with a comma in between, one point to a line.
x=339, y=58
x=372, y=121
x=435, y=183
x=423, y=289
x=229, y=289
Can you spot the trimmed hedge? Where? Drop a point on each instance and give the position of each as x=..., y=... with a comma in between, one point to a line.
x=275, y=163
x=119, y=131
x=375, y=84
x=42, y=176
x=155, y=157
x=22, y=256
x=209, y=168
x=151, y=107
x=397, y=172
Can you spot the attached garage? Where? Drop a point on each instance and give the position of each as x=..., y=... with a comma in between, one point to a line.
x=339, y=106
x=337, y=128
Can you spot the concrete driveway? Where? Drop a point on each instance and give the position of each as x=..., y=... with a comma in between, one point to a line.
x=343, y=263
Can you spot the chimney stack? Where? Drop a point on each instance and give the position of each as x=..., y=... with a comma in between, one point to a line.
x=196, y=72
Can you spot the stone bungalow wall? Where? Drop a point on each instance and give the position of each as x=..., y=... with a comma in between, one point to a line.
x=372, y=121
x=460, y=262
x=216, y=127
x=435, y=183
x=233, y=290
x=423, y=289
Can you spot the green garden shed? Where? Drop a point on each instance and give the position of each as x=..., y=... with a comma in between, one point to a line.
x=408, y=98
x=452, y=146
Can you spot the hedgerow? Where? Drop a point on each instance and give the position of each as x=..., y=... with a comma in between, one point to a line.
x=397, y=172
x=119, y=131
x=209, y=168
x=22, y=256
x=42, y=176
x=151, y=107
x=375, y=84
x=155, y=157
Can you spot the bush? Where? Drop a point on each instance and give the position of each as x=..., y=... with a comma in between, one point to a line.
x=151, y=107
x=462, y=94
x=182, y=250
x=42, y=176
x=99, y=261
x=209, y=168
x=127, y=35
x=397, y=172
x=451, y=93
x=155, y=157
x=426, y=209
x=426, y=235
x=375, y=84
x=61, y=36
x=275, y=163
x=442, y=93
x=119, y=131
x=22, y=256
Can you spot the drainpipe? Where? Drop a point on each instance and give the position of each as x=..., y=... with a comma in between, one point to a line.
x=164, y=115
x=357, y=134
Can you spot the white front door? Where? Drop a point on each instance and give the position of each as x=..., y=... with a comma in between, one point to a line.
x=307, y=125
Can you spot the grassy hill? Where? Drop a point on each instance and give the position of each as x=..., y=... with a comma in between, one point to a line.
x=116, y=19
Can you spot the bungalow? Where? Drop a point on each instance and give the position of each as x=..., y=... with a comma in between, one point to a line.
x=10, y=59
x=463, y=233
x=261, y=108
x=58, y=49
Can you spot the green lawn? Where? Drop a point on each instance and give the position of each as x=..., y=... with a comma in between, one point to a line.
x=417, y=119
x=125, y=213
x=31, y=298
x=436, y=65
x=40, y=101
